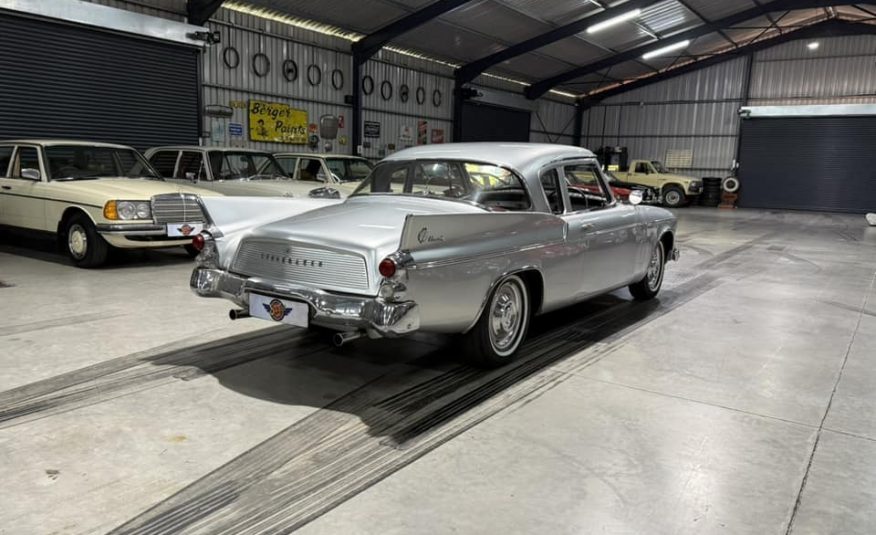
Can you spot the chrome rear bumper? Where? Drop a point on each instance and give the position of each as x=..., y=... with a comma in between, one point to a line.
x=331, y=310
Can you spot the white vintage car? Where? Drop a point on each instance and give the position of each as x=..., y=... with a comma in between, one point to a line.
x=231, y=171
x=94, y=196
x=468, y=238
x=340, y=172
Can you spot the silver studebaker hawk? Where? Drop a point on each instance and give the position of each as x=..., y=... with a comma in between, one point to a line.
x=468, y=238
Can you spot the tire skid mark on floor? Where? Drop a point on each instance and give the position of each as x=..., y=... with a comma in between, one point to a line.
x=140, y=371
x=57, y=322
x=342, y=449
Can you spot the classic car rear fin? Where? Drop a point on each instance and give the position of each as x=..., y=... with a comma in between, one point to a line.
x=485, y=232
x=230, y=214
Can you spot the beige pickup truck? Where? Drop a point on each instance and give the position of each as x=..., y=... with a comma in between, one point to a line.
x=674, y=189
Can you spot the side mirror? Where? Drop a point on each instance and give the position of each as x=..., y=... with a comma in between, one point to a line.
x=191, y=176
x=30, y=173
x=636, y=197
x=324, y=193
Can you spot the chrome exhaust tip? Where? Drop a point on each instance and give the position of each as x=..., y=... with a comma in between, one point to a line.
x=238, y=314
x=341, y=338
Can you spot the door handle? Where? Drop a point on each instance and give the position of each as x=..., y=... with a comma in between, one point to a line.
x=586, y=226
x=6, y=187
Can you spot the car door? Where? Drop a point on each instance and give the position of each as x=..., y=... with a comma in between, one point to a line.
x=608, y=233
x=23, y=202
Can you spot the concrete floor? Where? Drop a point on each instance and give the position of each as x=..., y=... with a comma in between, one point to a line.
x=739, y=402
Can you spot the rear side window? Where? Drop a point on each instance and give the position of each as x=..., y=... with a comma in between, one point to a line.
x=5, y=159
x=164, y=162
x=288, y=165
x=191, y=165
x=550, y=181
x=28, y=158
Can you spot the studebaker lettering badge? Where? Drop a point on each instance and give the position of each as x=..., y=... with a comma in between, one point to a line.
x=288, y=260
x=424, y=237
x=276, y=309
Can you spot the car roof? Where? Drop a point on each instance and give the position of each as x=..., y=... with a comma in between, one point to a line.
x=319, y=155
x=52, y=142
x=208, y=147
x=522, y=157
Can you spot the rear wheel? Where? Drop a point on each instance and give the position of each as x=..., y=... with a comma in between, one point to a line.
x=673, y=196
x=497, y=335
x=83, y=244
x=650, y=284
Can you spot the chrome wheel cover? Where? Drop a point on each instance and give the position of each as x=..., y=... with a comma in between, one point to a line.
x=77, y=241
x=507, y=316
x=673, y=198
x=655, y=268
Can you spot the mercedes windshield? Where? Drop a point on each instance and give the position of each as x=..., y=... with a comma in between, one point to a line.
x=83, y=162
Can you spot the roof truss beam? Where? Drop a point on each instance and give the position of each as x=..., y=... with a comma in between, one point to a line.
x=470, y=71
x=198, y=12
x=827, y=28
x=540, y=88
x=371, y=43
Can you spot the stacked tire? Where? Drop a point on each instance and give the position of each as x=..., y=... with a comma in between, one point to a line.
x=711, y=195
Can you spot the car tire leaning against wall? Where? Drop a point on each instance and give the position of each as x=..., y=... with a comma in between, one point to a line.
x=85, y=247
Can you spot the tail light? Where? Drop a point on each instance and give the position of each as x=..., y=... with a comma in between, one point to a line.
x=387, y=267
x=198, y=242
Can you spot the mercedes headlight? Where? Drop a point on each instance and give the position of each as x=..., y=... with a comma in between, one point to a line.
x=127, y=210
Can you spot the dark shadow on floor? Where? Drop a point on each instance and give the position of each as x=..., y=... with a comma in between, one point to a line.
x=45, y=248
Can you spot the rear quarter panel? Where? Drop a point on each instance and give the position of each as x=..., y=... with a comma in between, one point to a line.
x=457, y=259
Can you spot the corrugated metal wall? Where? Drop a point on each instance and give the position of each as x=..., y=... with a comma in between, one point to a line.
x=839, y=72
x=552, y=122
x=698, y=111
x=249, y=35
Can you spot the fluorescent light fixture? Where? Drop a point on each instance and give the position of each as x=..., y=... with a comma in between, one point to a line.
x=665, y=49
x=813, y=45
x=614, y=21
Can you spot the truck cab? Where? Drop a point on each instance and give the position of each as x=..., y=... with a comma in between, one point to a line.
x=674, y=189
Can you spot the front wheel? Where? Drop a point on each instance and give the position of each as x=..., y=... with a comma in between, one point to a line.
x=497, y=335
x=84, y=245
x=650, y=284
x=673, y=196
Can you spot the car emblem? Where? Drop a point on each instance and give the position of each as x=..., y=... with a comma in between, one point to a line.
x=277, y=310
x=425, y=237
x=186, y=229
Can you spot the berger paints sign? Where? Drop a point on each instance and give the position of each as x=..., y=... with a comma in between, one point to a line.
x=277, y=123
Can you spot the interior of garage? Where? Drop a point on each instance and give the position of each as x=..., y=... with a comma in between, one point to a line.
x=738, y=400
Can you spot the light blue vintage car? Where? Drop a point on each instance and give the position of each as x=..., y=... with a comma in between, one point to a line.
x=469, y=238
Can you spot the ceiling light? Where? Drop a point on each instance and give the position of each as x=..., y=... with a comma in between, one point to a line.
x=665, y=49
x=614, y=21
x=813, y=45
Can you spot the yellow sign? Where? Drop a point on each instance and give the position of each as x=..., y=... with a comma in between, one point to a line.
x=277, y=123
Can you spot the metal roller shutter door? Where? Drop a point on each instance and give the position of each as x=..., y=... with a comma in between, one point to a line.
x=64, y=81
x=809, y=163
x=482, y=122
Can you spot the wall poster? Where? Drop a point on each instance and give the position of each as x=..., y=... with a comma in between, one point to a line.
x=277, y=123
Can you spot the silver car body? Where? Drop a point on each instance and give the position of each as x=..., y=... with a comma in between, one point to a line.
x=452, y=253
